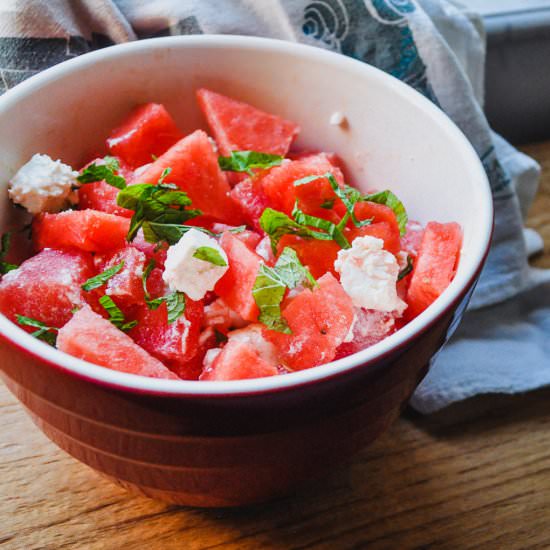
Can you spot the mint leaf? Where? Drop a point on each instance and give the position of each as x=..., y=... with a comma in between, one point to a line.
x=277, y=224
x=175, y=302
x=44, y=332
x=210, y=254
x=268, y=292
x=328, y=204
x=115, y=314
x=102, y=278
x=407, y=269
x=334, y=231
x=271, y=284
x=163, y=175
x=389, y=199
x=245, y=161
x=106, y=171
x=5, y=242
x=160, y=204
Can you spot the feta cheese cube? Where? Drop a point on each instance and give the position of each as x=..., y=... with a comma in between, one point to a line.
x=44, y=185
x=368, y=274
x=185, y=273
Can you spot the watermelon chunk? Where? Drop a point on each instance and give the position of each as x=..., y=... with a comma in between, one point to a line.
x=238, y=361
x=126, y=287
x=278, y=185
x=249, y=195
x=250, y=238
x=319, y=319
x=148, y=130
x=435, y=265
x=411, y=240
x=195, y=170
x=388, y=232
x=174, y=344
x=369, y=328
x=88, y=230
x=102, y=196
x=90, y=337
x=235, y=287
x=238, y=126
x=46, y=287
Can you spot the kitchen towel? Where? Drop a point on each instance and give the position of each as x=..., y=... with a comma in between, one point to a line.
x=438, y=48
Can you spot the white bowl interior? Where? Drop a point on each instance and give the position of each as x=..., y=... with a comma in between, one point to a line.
x=394, y=139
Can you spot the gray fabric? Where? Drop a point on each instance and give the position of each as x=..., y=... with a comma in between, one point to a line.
x=436, y=47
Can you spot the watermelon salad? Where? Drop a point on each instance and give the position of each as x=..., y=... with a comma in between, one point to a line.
x=219, y=257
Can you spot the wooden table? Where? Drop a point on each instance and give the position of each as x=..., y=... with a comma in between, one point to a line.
x=474, y=476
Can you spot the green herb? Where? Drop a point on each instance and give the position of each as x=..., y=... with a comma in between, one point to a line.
x=105, y=171
x=158, y=204
x=407, y=269
x=175, y=302
x=5, y=241
x=102, y=278
x=334, y=231
x=277, y=224
x=351, y=196
x=44, y=332
x=115, y=314
x=164, y=174
x=328, y=204
x=209, y=254
x=271, y=284
x=245, y=161
x=389, y=199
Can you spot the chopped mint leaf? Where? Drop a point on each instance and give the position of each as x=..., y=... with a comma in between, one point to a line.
x=44, y=332
x=165, y=173
x=5, y=241
x=160, y=204
x=175, y=302
x=334, y=231
x=106, y=171
x=407, y=269
x=270, y=287
x=277, y=224
x=102, y=278
x=389, y=199
x=328, y=204
x=245, y=161
x=209, y=254
x=268, y=292
x=115, y=314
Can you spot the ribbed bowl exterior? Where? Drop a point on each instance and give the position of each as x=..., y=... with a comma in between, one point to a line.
x=220, y=451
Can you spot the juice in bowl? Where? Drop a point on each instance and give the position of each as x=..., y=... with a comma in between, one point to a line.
x=235, y=279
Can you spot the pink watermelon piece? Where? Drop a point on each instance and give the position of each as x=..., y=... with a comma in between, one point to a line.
x=237, y=126
x=411, y=240
x=90, y=337
x=174, y=344
x=88, y=230
x=319, y=319
x=148, y=130
x=278, y=186
x=249, y=195
x=46, y=287
x=238, y=361
x=248, y=237
x=235, y=287
x=435, y=266
x=102, y=196
x=370, y=327
x=126, y=287
x=195, y=170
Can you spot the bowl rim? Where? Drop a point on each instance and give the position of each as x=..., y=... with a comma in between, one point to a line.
x=367, y=358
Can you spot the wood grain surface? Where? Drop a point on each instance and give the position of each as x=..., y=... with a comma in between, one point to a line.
x=474, y=476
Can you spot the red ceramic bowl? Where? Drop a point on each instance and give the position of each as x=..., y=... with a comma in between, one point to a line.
x=234, y=443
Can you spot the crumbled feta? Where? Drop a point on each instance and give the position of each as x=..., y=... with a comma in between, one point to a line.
x=185, y=273
x=368, y=274
x=210, y=357
x=253, y=336
x=337, y=119
x=44, y=185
